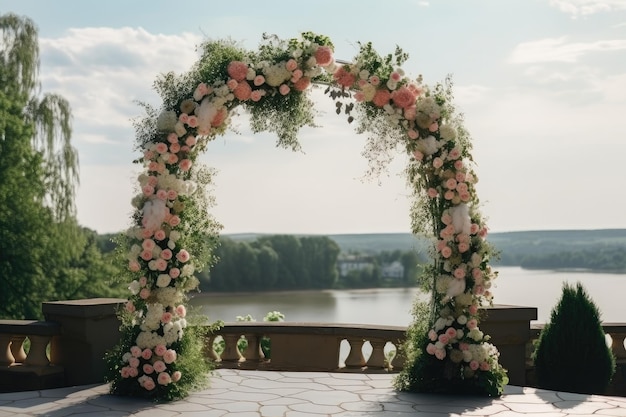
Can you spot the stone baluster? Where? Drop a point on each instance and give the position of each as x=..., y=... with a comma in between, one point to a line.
x=231, y=356
x=355, y=358
x=209, y=349
x=398, y=360
x=6, y=355
x=253, y=354
x=37, y=355
x=617, y=345
x=17, y=348
x=377, y=358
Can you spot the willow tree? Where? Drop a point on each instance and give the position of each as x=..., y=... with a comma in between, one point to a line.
x=38, y=175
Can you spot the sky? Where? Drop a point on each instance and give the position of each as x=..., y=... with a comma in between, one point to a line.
x=541, y=84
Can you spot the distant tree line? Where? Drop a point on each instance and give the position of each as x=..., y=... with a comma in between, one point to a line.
x=608, y=259
x=373, y=274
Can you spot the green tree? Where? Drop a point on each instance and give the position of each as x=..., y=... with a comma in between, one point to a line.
x=39, y=173
x=571, y=353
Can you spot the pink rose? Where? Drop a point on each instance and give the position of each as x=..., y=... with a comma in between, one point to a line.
x=161, y=147
x=374, y=80
x=174, y=220
x=464, y=346
x=146, y=233
x=395, y=76
x=432, y=193
x=465, y=196
x=478, y=289
x=440, y=354
x=133, y=362
x=159, y=234
x=153, y=181
x=162, y=194
x=172, y=159
x=148, y=244
x=146, y=255
x=297, y=74
x=323, y=56
x=147, y=369
x=482, y=232
x=159, y=350
x=219, y=117
x=147, y=190
x=181, y=311
x=160, y=264
x=133, y=372
x=474, y=365
x=146, y=354
x=169, y=356
x=124, y=372
x=472, y=324
x=284, y=89
x=175, y=147
x=455, y=153
x=258, y=80
x=473, y=309
x=144, y=293
x=412, y=133
x=183, y=256
x=243, y=91
x=172, y=138
x=474, y=228
x=164, y=378
x=134, y=266
x=446, y=252
x=437, y=163
x=462, y=188
x=382, y=97
x=183, y=118
x=463, y=247
x=159, y=366
x=143, y=281
x=192, y=121
x=256, y=95
x=443, y=338
x=484, y=366
x=174, y=273
x=149, y=384
x=166, y=254
x=185, y=165
x=291, y=65
x=410, y=113
x=166, y=317
x=449, y=195
x=148, y=155
x=201, y=90
x=176, y=376
x=237, y=70
x=433, y=127
x=450, y=184
x=477, y=274
x=459, y=273
x=418, y=155
x=232, y=84
x=458, y=165
x=430, y=349
x=446, y=219
x=460, y=176
x=432, y=335
x=153, y=167
x=190, y=140
x=451, y=332
x=130, y=307
x=359, y=96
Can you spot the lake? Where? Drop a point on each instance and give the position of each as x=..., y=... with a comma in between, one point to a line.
x=392, y=306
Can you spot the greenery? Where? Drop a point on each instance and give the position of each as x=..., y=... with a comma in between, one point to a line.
x=571, y=354
x=44, y=254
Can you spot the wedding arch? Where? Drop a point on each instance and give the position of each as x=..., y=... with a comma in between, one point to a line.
x=173, y=236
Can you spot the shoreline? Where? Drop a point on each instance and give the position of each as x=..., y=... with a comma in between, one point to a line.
x=294, y=292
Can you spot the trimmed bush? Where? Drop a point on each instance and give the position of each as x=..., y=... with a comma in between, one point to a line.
x=571, y=354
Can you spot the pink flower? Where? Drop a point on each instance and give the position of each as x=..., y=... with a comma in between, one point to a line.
x=184, y=117
x=258, y=80
x=160, y=264
x=166, y=317
x=149, y=384
x=185, y=164
x=148, y=244
x=159, y=350
x=172, y=159
x=455, y=153
x=464, y=346
x=164, y=378
x=403, y=97
x=459, y=273
x=291, y=65
x=192, y=121
x=172, y=138
x=432, y=335
x=183, y=256
x=432, y=193
x=484, y=366
x=472, y=324
x=133, y=362
x=359, y=96
x=147, y=190
x=243, y=91
x=395, y=76
x=147, y=369
x=443, y=338
x=174, y=220
x=284, y=89
x=174, y=273
x=479, y=290
x=451, y=332
x=412, y=133
x=143, y=281
x=323, y=56
x=147, y=154
x=446, y=219
x=175, y=147
x=153, y=166
x=473, y=309
x=130, y=307
x=343, y=77
x=463, y=247
x=482, y=232
x=134, y=266
x=181, y=311
x=296, y=75
x=474, y=365
x=256, y=95
x=410, y=113
x=124, y=372
x=161, y=147
x=159, y=234
x=146, y=354
x=418, y=155
x=474, y=228
x=449, y=195
x=162, y=194
x=190, y=140
x=437, y=163
x=237, y=70
x=146, y=255
x=302, y=84
x=374, y=80
x=169, y=356
x=382, y=97
x=433, y=127
x=465, y=196
x=430, y=349
x=144, y=293
x=232, y=84
x=133, y=372
x=219, y=117
x=458, y=165
x=446, y=252
x=201, y=90
x=176, y=376
x=166, y=254
x=159, y=366
x=477, y=274
x=450, y=184
x=460, y=176
x=440, y=354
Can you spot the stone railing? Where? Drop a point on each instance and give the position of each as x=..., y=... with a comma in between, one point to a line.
x=616, y=339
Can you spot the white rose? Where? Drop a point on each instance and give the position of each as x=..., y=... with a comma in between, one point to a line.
x=166, y=121
x=462, y=319
x=163, y=280
x=134, y=287
x=467, y=356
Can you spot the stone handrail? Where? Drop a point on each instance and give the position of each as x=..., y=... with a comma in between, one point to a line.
x=13, y=334
x=309, y=346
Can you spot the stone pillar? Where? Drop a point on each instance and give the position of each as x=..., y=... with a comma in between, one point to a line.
x=509, y=328
x=89, y=328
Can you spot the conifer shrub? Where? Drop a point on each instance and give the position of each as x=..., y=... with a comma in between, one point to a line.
x=571, y=354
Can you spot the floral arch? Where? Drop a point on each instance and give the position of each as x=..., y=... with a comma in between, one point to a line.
x=160, y=355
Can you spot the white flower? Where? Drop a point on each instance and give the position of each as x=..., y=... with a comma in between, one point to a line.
x=364, y=74
x=250, y=74
x=475, y=334
x=461, y=219
x=459, y=334
x=428, y=146
x=166, y=121
x=187, y=270
x=467, y=356
x=179, y=128
x=154, y=212
x=126, y=356
x=134, y=287
x=447, y=132
x=462, y=319
x=392, y=85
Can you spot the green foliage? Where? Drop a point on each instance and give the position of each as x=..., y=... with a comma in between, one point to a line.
x=571, y=354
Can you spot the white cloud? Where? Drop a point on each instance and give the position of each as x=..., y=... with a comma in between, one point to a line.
x=559, y=50
x=580, y=8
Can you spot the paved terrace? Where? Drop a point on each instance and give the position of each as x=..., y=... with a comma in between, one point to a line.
x=240, y=393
